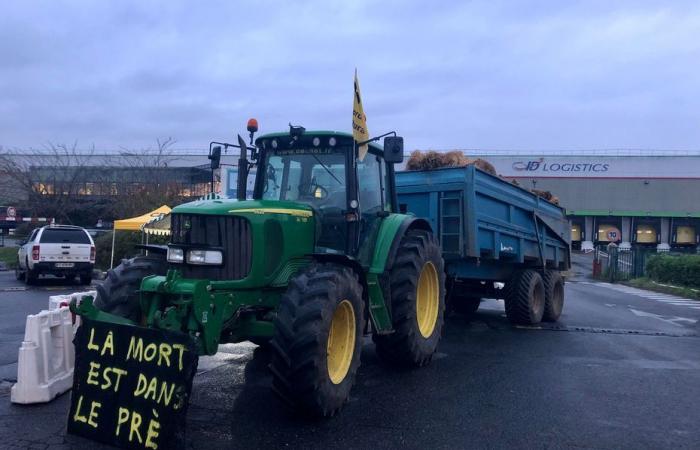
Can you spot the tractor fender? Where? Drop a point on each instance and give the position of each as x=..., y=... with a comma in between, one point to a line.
x=393, y=228
x=343, y=260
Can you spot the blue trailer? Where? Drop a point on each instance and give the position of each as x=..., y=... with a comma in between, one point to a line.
x=498, y=240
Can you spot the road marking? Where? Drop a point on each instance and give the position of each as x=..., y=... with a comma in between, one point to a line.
x=661, y=318
x=667, y=299
x=13, y=289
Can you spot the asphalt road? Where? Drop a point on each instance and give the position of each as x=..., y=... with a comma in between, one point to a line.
x=620, y=370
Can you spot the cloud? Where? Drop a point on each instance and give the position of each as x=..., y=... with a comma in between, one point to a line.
x=520, y=75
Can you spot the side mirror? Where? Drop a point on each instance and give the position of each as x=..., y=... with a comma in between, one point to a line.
x=215, y=157
x=393, y=149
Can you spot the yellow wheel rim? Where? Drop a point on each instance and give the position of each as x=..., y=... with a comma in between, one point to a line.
x=341, y=342
x=427, y=300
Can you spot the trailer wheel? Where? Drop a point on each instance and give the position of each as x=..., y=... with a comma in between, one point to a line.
x=118, y=294
x=318, y=339
x=553, y=295
x=525, y=298
x=417, y=286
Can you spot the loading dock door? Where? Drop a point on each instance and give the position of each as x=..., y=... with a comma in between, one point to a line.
x=646, y=234
x=608, y=233
x=685, y=235
x=575, y=232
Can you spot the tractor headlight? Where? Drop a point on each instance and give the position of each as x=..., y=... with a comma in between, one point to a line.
x=175, y=255
x=205, y=257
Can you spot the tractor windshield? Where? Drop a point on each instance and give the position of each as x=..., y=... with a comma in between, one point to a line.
x=316, y=177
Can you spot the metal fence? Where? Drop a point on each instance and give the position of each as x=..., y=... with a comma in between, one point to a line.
x=615, y=264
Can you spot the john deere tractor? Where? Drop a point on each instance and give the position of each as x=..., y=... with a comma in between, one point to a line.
x=317, y=259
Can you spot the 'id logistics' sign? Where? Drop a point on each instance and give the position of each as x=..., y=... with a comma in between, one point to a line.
x=131, y=385
x=597, y=166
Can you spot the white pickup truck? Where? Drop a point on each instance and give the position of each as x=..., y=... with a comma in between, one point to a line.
x=61, y=250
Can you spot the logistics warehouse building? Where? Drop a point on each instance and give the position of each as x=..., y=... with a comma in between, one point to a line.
x=635, y=199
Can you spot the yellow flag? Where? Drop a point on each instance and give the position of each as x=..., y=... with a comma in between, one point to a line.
x=359, y=121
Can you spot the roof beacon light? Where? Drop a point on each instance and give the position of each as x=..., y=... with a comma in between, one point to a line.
x=252, y=128
x=252, y=125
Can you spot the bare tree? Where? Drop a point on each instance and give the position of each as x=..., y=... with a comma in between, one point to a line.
x=77, y=186
x=146, y=179
x=49, y=180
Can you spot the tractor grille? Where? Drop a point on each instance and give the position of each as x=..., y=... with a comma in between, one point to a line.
x=229, y=233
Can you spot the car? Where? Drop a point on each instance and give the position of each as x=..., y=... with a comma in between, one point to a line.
x=62, y=250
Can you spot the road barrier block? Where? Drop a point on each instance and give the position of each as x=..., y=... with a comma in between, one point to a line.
x=46, y=357
x=58, y=301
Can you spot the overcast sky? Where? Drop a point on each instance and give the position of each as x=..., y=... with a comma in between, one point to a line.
x=491, y=75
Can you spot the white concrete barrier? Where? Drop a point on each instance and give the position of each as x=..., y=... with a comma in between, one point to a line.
x=46, y=357
x=56, y=301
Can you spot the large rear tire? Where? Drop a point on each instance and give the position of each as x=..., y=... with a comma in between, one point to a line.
x=553, y=295
x=118, y=294
x=417, y=286
x=525, y=298
x=318, y=339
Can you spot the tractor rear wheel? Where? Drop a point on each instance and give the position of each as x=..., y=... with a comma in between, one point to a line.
x=417, y=286
x=118, y=294
x=318, y=339
x=525, y=298
x=553, y=295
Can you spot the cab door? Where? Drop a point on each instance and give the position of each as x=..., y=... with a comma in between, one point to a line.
x=372, y=196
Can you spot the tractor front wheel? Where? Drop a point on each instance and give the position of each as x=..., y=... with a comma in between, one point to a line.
x=118, y=294
x=318, y=339
x=417, y=284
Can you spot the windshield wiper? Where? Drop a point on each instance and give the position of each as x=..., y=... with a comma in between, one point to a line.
x=327, y=169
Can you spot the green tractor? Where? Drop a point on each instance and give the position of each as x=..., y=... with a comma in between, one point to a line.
x=317, y=259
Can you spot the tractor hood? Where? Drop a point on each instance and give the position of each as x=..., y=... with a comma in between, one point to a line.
x=247, y=207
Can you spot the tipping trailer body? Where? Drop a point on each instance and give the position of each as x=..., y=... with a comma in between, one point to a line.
x=488, y=228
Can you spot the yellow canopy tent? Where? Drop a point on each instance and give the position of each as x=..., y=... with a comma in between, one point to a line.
x=136, y=224
x=160, y=226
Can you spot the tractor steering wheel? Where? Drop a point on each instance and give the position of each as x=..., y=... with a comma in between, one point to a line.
x=310, y=190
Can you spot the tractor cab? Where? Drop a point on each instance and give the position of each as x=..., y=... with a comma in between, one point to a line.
x=348, y=195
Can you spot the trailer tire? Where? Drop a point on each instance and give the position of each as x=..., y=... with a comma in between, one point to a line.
x=318, y=339
x=553, y=295
x=118, y=294
x=417, y=303
x=525, y=298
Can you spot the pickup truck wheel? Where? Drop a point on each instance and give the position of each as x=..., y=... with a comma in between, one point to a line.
x=525, y=298
x=19, y=274
x=30, y=276
x=318, y=339
x=553, y=295
x=118, y=294
x=417, y=286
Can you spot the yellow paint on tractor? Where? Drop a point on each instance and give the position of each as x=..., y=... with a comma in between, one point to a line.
x=288, y=211
x=427, y=300
x=341, y=342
